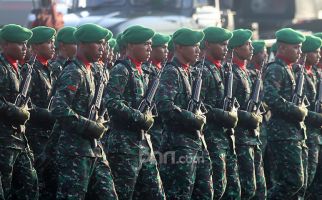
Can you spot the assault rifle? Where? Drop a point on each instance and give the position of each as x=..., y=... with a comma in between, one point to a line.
x=318, y=102
x=299, y=98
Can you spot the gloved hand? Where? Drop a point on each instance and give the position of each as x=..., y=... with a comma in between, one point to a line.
x=225, y=118
x=143, y=120
x=193, y=121
x=93, y=129
x=15, y=115
x=314, y=119
x=298, y=113
x=249, y=120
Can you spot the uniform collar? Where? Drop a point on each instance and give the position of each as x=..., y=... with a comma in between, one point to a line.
x=240, y=63
x=12, y=62
x=42, y=60
x=137, y=64
x=85, y=62
x=157, y=64
x=217, y=63
x=308, y=69
x=285, y=60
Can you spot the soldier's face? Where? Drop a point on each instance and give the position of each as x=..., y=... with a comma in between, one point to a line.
x=46, y=49
x=69, y=49
x=312, y=58
x=245, y=52
x=140, y=52
x=93, y=51
x=190, y=54
x=160, y=53
x=16, y=51
x=292, y=52
x=217, y=51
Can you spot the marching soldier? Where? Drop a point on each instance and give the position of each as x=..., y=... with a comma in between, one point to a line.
x=286, y=135
x=224, y=162
x=186, y=166
x=129, y=148
x=249, y=155
x=66, y=45
x=15, y=155
x=81, y=163
x=152, y=68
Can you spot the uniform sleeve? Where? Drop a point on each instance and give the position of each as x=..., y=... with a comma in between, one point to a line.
x=273, y=83
x=113, y=100
x=3, y=75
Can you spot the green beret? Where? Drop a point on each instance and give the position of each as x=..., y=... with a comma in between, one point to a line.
x=170, y=45
x=202, y=44
x=217, y=35
x=15, y=33
x=274, y=47
x=311, y=43
x=120, y=43
x=258, y=46
x=187, y=37
x=160, y=39
x=41, y=34
x=109, y=35
x=137, y=34
x=289, y=36
x=66, y=35
x=90, y=33
x=240, y=36
x=318, y=35
x=112, y=43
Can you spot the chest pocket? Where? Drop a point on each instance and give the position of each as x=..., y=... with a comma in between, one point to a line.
x=45, y=82
x=291, y=77
x=311, y=91
x=184, y=97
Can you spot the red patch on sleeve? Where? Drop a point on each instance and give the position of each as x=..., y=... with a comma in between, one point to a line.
x=72, y=88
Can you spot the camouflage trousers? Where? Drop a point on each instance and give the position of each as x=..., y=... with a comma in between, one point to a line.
x=251, y=172
x=315, y=189
x=1, y=190
x=136, y=176
x=224, y=167
x=18, y=176
x=84, y=178
x=288, y=168
x=38, y=141
x=187, y=174
x=156, y=138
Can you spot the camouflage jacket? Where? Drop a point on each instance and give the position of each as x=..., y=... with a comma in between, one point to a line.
x=75, y=91
x=124, y=92
x=279, y=86
x=242, y=89
x=212, y=95
x=57, y=66
x=172, y=98
x=9, y=89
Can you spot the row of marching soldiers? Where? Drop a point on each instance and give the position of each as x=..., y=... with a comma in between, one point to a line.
x=159, y=118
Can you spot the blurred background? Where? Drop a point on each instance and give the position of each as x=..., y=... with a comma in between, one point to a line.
x=264, y=17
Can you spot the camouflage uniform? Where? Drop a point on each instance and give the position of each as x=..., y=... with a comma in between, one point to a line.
x=224, y=161
x=286, y=136
x=130, y=152
x=82, y=168
x=15, y=155
x=249, y=155
x=57, y=66
x=151, y=71
x=190, y=178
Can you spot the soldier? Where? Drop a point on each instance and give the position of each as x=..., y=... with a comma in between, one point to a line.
x=111, y=58
x=185, y=167
x=66, y=45
x=223, y=159
x=129, y=148
x=152, y=68
x=170, y=50
x=313, y=121
x=249, y=155
x=81, y=162
x=258, y=59
x=286, y=135
x=15, y=155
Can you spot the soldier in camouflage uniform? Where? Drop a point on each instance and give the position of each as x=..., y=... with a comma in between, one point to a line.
x=151, y=69
x=81, y=162
x=129, y=148
x=286, y=135
x=249, y=155
x=313, y=121
x=15, y=154
x=222, y=156
x=186, y=166
x=66, y=46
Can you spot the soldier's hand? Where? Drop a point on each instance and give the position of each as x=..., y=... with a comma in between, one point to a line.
x=94, y=129
x=249, y=120
x=148, y=120
x=16, y=115
x=200, y=121
x=298, y=112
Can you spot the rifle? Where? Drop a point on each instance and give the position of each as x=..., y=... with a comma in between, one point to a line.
x=318, y=102
x=195, y=105
x=299, y=98
x=147, y=103
x=23, y=99
x=94, y=111
x=230, y=102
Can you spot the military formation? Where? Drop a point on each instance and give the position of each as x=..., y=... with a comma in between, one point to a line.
x=196, y=115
